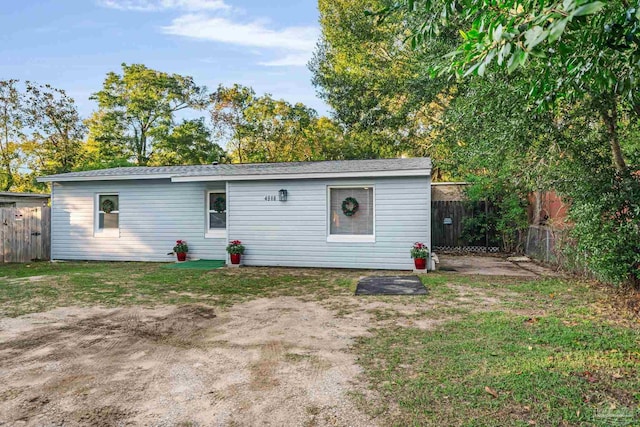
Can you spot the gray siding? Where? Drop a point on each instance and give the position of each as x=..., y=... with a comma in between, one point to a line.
x=153, y=215
x=294, y=233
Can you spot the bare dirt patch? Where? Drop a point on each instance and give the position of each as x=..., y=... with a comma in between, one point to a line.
x=278, y=361
x=492, y=266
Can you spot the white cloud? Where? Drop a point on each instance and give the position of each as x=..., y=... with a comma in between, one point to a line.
x=291, y=60
x=253, y=34
x=293, y=45
x=160, y=5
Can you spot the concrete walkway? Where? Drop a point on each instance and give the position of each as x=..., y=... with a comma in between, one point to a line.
x=487, y=265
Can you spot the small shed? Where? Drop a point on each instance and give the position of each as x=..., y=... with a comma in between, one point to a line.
x=23, y=200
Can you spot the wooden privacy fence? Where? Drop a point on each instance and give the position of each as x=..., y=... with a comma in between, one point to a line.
x=25, y=234
x=453, y=228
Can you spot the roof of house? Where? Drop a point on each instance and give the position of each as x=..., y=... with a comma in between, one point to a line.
x=26, y=195
x=420, y=166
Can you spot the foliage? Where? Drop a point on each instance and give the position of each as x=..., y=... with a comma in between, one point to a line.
x=136, y=107
x=508, y=213
x=606, y=228
x=11, y=131
x=263, y=129
x=544, y=97
x=419, y=251
x=57, y=132
x=235, y=247
x=188, y=143
x=181, y=247
x=378, y=87
x=227, y=107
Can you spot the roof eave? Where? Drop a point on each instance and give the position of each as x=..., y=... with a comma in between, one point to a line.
x=54, y=178
x=247, y=177
x=318, y=175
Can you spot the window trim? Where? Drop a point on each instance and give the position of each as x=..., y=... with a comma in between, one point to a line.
x=216, y=233
x=104, y=232
x=350, y=238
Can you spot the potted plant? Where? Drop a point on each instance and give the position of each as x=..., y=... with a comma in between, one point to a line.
x=235, y=249
x=420, y=253
x=181, y=249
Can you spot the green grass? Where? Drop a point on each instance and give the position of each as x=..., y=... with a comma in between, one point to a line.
x=35, y=287
x=570, y=365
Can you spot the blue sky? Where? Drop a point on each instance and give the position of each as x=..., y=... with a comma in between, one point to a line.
x=72, y=44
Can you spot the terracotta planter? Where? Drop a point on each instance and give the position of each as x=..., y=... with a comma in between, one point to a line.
x=235, y=258
x=420, y=263
x=182, y=256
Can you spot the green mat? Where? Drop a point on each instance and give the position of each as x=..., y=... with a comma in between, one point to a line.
x=201, y=264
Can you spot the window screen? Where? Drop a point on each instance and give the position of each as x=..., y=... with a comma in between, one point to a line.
x=217, y=211
x=108, y=211
x=360, y=223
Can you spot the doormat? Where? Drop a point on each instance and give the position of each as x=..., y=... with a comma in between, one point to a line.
x=391, y=285
x=201, y=264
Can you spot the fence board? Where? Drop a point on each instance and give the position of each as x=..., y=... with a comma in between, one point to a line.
x=25, y=234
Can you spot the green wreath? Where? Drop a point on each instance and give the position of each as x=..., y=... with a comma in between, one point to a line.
x=219, y=204
x=350, y=206
x=107, y=206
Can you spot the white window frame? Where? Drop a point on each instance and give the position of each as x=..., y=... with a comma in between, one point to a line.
x=216, y=233
x=105, y=232
x=350, y=238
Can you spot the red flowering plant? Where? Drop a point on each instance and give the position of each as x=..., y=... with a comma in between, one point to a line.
x=181, y=247
x=235, y=247
x=419, y=251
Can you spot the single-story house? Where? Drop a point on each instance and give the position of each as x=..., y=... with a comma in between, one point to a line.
x=23, y=200
x=345, y=214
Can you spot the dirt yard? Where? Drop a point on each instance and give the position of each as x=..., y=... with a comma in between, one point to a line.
x=275, y=361
x=308, y=354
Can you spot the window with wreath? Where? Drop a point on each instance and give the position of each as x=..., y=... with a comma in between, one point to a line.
x=216, y=213
x=351, y=213
x=108, y=218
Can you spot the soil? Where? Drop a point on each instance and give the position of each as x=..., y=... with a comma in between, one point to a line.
x=278, y=361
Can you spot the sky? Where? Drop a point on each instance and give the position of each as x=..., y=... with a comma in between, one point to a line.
x=72, y=44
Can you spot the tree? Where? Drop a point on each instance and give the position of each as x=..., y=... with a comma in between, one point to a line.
x=228, y=106
x=584, y=50
x=135, y=106
x=375, y=83
x=11, y=131
x=57, y=132
x=573, y=64
x=188, y=143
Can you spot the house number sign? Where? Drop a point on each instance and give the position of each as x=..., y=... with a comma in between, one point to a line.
x=271, y=198
x=448, y=221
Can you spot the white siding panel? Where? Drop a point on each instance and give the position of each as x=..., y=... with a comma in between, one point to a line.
x=294, y=233
x=153, y=215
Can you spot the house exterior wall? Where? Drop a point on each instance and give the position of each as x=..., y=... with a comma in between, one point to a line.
x=154, y=213
x=294, y=233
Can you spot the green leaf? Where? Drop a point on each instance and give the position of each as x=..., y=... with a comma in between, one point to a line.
x=497, y=33
x=557, y=28
x=535, y=36
x=588, y=9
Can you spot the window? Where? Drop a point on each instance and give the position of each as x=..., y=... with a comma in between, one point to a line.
x=108, y=215
x=357, y=227
x=216, y=214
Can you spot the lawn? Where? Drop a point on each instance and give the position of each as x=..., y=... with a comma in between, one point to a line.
x=474, y=352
